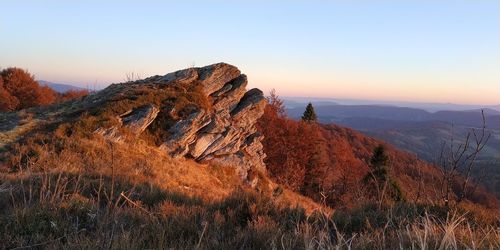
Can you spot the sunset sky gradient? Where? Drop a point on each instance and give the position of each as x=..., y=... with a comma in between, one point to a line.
x=428, y=51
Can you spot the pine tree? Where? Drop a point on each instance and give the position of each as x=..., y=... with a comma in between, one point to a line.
x=309, y=114
x=378, y=163
x=379, y=176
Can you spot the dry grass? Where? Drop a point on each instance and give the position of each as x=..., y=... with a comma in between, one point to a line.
x=67, y=192
x=64, y=187
x=83, y=116
x=426, y=231
x=22, y=123
x=243, y=220
x=70, y=192
x=48, y=182
x=135, y=161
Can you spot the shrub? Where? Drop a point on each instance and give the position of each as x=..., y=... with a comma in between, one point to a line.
x=21, y=84
x=7, y=101
x=72, y=94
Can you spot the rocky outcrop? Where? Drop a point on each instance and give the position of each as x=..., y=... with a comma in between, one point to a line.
x=139, y=119
x=223, y=133
x=226, y=134
x=135, y=121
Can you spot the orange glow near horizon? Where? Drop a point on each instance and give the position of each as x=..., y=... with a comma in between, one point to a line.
x=294, y=83
x=458, y=90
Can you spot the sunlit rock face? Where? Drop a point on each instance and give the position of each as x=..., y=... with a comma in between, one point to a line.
x=224, y=133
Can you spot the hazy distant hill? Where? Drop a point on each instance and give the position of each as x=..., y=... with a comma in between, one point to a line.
x=418, y=131
x=333, y=113
x=300, y=104
x=59, y=87
x=378, y=115
x=430, y=107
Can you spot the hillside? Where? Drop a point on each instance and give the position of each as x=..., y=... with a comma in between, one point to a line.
x=193, y=118
x=340, y=161
x=111, y=149
x=421, y=132
x=192, y=159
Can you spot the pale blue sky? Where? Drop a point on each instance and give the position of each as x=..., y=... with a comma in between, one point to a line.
x=439, y=51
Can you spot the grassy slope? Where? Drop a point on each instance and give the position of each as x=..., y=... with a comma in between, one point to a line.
x=63, y=187
x=65, y=198
x=136, y=162
x=50, y=158
x=50, y=180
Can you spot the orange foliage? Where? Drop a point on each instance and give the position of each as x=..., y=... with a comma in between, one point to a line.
x=46, y=96
x=304, y=157
x=295, y=150
x=22, y=91
x=328, y=162
x=7, y=101
x=72, y=94
x=19, y=90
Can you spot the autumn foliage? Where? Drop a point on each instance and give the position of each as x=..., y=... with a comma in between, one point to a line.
x=300, y=156
x=329, y=163
x=72, y=94
x=7, y=101
x=20, y=90
x=296, y=151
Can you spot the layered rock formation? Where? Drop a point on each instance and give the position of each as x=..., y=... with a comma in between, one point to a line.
x=222, y=133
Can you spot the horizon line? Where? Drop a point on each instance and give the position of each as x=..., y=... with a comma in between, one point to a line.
x=104, y=85
x=389, y=101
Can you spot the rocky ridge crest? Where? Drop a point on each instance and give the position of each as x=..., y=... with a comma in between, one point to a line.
x=224, y=133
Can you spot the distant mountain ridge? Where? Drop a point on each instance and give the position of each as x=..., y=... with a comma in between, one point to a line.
x=430, y=107
x=338, y=113
x=59, y=87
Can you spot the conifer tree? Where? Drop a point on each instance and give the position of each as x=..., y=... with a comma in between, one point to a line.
x=309, y=114
x=379, y=177
x=378, y=163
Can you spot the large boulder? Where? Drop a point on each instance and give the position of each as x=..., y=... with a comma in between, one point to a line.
x=223, y=133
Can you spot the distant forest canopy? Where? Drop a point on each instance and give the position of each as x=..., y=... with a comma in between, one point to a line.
x=20, y=90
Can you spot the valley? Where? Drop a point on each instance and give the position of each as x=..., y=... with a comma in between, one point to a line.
x=420, y=132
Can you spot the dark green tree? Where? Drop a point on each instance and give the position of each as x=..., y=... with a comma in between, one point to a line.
x=309, y=114
x=378, y=163
x=379, y=178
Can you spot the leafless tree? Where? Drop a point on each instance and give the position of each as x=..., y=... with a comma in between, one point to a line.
x=460, y=159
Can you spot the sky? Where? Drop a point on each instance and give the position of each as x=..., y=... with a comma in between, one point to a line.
x=418, y=51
